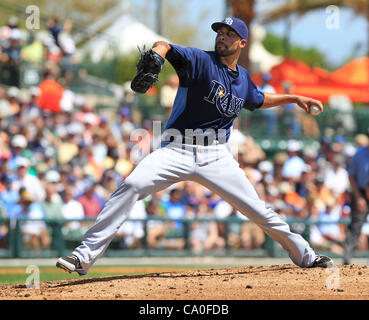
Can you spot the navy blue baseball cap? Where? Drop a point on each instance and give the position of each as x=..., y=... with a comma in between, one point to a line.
x=236, y=24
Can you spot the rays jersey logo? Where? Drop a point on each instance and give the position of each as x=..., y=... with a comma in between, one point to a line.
x=227, y=104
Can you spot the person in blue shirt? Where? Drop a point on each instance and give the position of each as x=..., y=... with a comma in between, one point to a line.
x=294, y=165
x=270, y=114
x=358, y=170
x=213, y=89
x=175, y=209
x=8, y=197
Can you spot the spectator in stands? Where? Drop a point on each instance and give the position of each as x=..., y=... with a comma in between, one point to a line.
x=361, y=140
x=309, y=155
x=109, y=182
x=33, y=51
x=279, y=160
x=4, y=104
x=358, y=170
x=332, y=235
x=34, y=232
x=51, y=93
x=306, y=178
x=155, y=227
x=271, y=114
x=251, y=152
x=18, y=145
x=237, y=139
x=13, y=50
x=67, y=43
x=272, y=197
x=291, y=114
x=294, y=202
x=243, y=234
x=27, y=180
x=123, y=128
x=252, y=237
x=6, y=30
x=323, y=193
x=37, y=143
x=54, y=27
x=68, y=148
x=13, y=99
x=191, y=196
x=168, y=93
x=90, y=201
x=132, y=232
x=336, y=177
x=72, y=210
x=265, y=167
x=363, y=244
x=8, y=197
x=205, y=234
x=174, y=209
x=294, y=165
x=52, y=204
x=34, y=110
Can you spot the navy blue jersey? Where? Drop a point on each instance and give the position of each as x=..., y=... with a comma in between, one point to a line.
x=209, y=95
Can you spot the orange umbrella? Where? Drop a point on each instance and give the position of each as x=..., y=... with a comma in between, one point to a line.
x=355, y=72
x=352, y=80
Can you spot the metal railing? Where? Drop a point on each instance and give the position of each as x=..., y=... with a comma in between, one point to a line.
x=62, y=244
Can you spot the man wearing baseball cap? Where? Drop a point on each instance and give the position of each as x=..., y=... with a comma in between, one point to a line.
x=358, y=170
x=235, y=24
x=213, y=89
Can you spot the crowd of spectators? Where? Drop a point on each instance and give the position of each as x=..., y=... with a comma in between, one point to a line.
x=61, y=160
x=52, y=47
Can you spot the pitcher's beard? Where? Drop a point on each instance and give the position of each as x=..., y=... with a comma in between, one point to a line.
x=223, y=52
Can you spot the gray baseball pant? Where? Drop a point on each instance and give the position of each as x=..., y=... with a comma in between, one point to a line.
x=212, y=166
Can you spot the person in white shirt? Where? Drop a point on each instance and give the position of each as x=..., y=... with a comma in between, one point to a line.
x=336, y=177
x=168, y=93
x=72, y=210
x=28, y=181
x=132, y=232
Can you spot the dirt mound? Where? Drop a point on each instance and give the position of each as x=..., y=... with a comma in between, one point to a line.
x=245, y=283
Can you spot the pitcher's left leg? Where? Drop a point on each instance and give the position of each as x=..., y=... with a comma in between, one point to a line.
x=228, y=180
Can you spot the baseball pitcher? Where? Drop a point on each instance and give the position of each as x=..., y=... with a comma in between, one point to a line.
x=212, y=92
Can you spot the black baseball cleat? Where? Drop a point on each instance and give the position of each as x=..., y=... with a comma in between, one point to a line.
x=70, y=264
x=322, y=262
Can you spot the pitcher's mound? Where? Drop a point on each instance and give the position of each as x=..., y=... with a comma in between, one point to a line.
x=247, y=283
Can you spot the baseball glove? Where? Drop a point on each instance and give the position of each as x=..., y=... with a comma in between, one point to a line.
x=148, y=69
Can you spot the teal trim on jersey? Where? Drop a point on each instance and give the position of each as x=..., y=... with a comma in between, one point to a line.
x=179, y=106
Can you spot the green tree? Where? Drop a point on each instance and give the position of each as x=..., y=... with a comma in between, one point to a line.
x=300, y=7
x=312, y=56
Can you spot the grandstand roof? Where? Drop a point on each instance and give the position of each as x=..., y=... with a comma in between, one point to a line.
x=121, y=37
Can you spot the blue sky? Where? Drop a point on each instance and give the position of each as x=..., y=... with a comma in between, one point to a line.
x=337, y=44
x=309, y=30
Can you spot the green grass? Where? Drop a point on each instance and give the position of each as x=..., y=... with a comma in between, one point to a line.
x=20, y=278
x=15, y=275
